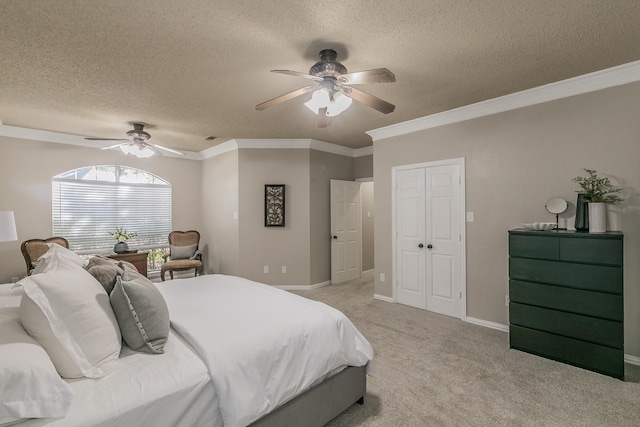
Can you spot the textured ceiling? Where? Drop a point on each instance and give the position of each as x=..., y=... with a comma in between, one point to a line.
x=194, y=68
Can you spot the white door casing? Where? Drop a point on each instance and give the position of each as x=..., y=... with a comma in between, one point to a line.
x=346, y=231
x=429, y=211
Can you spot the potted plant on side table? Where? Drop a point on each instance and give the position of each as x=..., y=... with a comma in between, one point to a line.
x=597, y=192
x=121, y=236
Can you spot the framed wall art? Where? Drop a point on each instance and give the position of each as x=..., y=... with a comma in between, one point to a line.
x=274, y=205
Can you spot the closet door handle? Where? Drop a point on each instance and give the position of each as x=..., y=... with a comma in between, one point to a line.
x=429, y=246
x=421, y=246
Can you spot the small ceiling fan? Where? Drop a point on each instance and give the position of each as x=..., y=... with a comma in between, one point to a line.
x=136, y=143
x=331, y=88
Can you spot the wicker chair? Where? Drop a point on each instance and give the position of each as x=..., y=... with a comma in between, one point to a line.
x=183, y=253
x=34, y=248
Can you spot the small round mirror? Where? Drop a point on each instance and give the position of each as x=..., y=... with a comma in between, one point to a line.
x=556, y=205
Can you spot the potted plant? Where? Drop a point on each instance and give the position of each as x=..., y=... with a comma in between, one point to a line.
x=597, y=192
x=121, y=236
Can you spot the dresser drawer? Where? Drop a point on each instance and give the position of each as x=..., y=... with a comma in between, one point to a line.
x=598, y=358
x=597, y=304
x=580, y=276
x=534, y=246
x=598, y=331
x=592, y=251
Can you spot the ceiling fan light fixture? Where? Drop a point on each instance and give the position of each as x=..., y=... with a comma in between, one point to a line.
x=339, y=104
x=319, y=99
x=137, y=150
x=335, y=104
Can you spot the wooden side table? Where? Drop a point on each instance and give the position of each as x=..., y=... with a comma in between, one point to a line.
x=138, y=259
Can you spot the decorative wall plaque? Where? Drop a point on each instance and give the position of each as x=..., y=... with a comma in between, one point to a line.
x=274, y=205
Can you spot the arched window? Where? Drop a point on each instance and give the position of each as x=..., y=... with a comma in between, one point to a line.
x=90, y=202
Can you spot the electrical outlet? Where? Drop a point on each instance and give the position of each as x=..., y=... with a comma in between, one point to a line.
x=470, y=217
x=284, y=269
x=382, y=277
x=266, y=269
x=506, y=300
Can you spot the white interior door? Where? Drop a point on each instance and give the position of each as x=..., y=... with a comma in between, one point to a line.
x=429, y=249
x=346, y=232
x=443, y=240
x=410, y=230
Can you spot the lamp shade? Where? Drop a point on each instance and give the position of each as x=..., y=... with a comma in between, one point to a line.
x=7, y=227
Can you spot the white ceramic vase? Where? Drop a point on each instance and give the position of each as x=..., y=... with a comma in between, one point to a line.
x=597, y=217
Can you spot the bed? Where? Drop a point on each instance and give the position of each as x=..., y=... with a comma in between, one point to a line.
x=237, y=353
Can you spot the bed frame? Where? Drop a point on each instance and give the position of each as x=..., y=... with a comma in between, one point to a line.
x=321, y=403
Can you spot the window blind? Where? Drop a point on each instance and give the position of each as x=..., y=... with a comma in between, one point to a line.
x=86, y=212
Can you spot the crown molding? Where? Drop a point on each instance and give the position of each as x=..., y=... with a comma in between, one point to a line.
x=288, y=144
x=603, y=79
x=234, y=144
x=364, y=151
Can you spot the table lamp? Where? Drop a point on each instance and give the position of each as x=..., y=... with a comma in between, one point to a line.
x=7, y=227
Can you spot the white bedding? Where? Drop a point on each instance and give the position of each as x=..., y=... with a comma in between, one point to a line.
x=262, y=345
x=170, y=389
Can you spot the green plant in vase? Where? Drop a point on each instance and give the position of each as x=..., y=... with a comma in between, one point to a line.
x=121, y=236
x=597, y=192
x=597, y=189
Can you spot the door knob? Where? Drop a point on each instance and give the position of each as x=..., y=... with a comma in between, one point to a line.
x=421, y=246
x=335, y=237
x=429, y=246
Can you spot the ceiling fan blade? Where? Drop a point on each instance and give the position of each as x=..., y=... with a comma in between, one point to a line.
x=298, y=74
x=115, y=145
x=283, y=98
x=379, y=75
x=107, y=139
x=323, y=120
x=171, y=150
x=370, y=100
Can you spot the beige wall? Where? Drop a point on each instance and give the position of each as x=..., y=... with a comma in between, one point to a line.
x=26, y=169
x=515, y=162
x=275, y=247
x=363, y=167
x=323, y=168
x=219, y=213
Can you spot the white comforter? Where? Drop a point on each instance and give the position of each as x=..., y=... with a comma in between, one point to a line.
x=262, y=345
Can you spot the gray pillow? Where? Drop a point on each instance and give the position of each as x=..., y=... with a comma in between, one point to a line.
x=106, y=271
x=141, y=312
x=183, y=252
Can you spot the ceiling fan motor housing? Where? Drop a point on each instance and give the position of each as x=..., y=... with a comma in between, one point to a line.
x=137, y=133
x=327, y=66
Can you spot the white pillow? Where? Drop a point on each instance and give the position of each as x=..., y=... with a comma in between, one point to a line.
x=68, y=312
x=29, y=384
x=57, y=256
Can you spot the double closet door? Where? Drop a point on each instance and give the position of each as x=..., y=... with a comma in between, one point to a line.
x=429, y=205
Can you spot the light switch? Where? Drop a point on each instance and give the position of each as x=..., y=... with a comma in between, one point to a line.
x=469, y=216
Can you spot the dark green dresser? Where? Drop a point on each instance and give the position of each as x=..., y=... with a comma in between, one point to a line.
x=566, y=299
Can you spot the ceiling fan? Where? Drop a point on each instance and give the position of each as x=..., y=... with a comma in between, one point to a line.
x=136, y=143
x=331, y=88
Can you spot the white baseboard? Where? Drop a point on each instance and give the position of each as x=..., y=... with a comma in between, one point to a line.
x=303, y=287
x=632, y=360
x=487, y=324
x=383, y=298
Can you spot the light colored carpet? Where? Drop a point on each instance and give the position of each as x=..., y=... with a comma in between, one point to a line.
x=434, y=370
